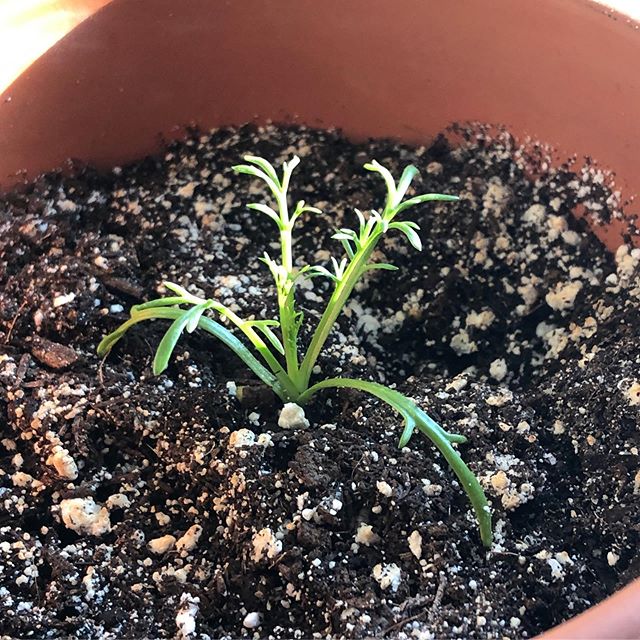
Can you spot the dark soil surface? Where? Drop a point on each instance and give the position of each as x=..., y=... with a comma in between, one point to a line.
x=130, y=507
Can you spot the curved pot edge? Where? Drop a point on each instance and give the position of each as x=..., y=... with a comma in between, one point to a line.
x=616, y=618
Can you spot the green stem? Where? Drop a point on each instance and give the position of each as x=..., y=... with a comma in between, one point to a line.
x=334, y=307
x=261, y=347
x=286, y=244
x=415, y=417
x=286, y=301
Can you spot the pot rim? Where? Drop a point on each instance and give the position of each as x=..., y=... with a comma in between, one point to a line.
x=615, y=618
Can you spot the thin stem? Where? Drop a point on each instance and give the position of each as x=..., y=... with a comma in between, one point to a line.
x=261, y=346
x=286, y=300
x=334, y=307
x=286, y=245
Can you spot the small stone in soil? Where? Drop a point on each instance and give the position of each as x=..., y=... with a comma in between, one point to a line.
x=52, y=354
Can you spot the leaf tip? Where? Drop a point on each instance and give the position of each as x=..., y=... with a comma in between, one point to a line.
x=407, y=432
x=102, y=349
x=158, y=366
x=370, y=166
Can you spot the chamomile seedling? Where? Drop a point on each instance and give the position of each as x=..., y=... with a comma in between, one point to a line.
x=274, y=352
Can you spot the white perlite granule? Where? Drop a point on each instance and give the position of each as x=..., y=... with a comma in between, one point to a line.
x=22, y=479
x=627, y=261
x=162, y=545
x=186, y=617
x=480, y=320
x=265, y=545
x=563, y=295
x=66, y=205
x=83, y=515
x=89, y=582
x=190, y=539
x=63, y=463
x=252, y=620
x=118, y=501
x=534, y=215
x=462, y=344
x=632, y=393
x=186, y=191
x=241, y=438
x=498, y=369
x=415, y=544
x=292, y=417
x=384, y=488
x=61, y=300
x=387, y=576
x=365, y=535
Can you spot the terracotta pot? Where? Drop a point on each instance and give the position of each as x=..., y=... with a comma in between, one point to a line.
x=616, y=618
x=563, y=72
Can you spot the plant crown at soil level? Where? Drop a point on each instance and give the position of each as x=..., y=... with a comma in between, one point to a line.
x=275, y=358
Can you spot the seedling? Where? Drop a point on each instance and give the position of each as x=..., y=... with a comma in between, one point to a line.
x=275, y=358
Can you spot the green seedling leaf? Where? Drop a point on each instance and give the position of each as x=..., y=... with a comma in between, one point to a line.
x=264, y=326
x=408, y=228
x=301, y=207
x=159, y=302
x=381, y=265
x=374, y=165
x=265, y=165
x=197, y=312
x=320, y=271
x=404, y=183
x=339, y=267
x=287, y=170
x=171, y=337
x=181, y=291
x=263, y=208
x=362, y=222
x=246, y=169
x=428, y=197
x=107, y=343
x=341, y=236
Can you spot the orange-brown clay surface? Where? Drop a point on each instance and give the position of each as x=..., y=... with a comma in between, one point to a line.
x=562, y=72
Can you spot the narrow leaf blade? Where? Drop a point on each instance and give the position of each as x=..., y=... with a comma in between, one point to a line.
x=271, y=337
x=382, y=266
x=170, y=339
x=404, y=183
x=374, y=165
x=407, y=432
x=192, y=324
x=182, y=292
x=265, y=165
x=246, y=169
x=169, y=301
x=427, y=197
x=413, y=238
x=348, y=248
x=267, y=210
